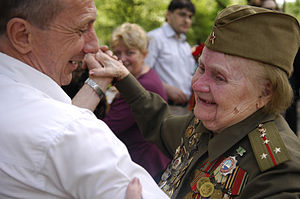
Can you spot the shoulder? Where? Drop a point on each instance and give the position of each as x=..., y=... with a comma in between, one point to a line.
x=268, y=145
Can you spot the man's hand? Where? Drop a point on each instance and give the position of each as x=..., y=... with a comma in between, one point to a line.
x=134, y=189
x=175, y=94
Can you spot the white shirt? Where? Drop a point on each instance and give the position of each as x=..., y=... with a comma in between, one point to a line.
x=171, y=58
x=52, y=149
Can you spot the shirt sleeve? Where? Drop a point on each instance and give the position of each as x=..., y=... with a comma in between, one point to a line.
x=89, y=162
x=153, y=52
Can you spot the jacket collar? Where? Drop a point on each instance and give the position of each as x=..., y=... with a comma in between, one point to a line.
x=226, y=139
x=169, y=32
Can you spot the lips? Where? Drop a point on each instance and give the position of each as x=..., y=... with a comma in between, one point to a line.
x=206, y=101
x=75, y=63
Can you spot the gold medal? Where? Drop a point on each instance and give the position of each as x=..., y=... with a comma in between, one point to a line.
x=201, y=181
x=196, y=121
x=207, y=189
x=189, y=131
x=217, y=194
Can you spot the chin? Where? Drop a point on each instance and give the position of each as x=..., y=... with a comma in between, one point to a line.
x=66, y=81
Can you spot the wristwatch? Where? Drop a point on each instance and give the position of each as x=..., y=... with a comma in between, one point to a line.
x=95, y=87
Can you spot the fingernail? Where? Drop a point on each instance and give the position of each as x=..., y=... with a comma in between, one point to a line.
x=136, y=181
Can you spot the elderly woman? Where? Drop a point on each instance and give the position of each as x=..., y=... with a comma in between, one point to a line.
x=235, y=144
x=129, y=44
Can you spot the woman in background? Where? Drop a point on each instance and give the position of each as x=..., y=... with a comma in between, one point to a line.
x=129, y=44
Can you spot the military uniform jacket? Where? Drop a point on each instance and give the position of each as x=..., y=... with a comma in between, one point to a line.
x=258, y=157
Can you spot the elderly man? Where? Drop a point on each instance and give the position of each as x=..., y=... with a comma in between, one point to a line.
x=50, y=148
x=235, y=144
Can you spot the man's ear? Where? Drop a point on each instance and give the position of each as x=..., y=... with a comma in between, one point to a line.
x=18, y=31
x=168, y=15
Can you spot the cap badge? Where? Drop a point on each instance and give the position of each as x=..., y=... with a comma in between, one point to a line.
x=212, y=38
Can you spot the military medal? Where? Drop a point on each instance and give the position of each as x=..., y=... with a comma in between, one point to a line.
x=201, y=181
x=219, y=177
x=228, y=165
x=217, y=194
x=240, y=151
x=189, y=131
x=207, y=189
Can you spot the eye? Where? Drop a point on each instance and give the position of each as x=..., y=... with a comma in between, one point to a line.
x=201, y=69
x=84, y=30
x=130, y=53
x=220, y=78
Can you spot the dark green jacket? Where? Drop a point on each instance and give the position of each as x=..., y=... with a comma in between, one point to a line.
x=264, y=177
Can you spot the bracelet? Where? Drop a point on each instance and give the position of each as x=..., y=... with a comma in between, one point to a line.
x=95, y=87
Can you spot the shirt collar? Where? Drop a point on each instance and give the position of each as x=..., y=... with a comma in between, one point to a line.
x=232, y=135
x=25, y=74
x=169, y=32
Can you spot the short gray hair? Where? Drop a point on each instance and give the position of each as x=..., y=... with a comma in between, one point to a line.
x=38, y=12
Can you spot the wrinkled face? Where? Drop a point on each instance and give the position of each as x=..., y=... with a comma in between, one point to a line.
x=132, y=58
x=180, y=20
x=224, y=92
x=57, y=50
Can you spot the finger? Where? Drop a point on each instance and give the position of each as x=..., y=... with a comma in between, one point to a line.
x=91, y=62
x=134, y=189
x=104, y=48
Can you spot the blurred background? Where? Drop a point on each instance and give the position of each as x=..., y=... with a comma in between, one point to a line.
x=150, y=14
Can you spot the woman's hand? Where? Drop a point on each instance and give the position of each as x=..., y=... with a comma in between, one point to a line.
x=104, y=65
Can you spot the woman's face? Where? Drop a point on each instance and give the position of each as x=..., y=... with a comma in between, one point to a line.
x=224, y=92
x=132, y=58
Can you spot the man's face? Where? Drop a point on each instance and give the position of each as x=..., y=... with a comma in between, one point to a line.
x=180, y=20
x=58, y=49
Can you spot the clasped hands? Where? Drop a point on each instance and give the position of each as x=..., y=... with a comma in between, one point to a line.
x=104, y=66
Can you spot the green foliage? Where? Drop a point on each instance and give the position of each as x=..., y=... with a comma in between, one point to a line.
x=150, y=14
x=293, y=8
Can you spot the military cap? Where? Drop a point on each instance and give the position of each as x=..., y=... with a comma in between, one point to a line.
x=256, y=33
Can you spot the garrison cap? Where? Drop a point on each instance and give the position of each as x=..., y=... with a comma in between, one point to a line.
x=256, y=33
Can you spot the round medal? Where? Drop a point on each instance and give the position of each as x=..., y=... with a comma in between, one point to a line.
x=201, y=181
x=207, y=189
x=217, y=194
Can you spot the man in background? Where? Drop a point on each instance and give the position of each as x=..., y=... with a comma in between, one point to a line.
x=170, y=55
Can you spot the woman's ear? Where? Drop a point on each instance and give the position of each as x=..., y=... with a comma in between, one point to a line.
x=266, y=95
x=18, y=31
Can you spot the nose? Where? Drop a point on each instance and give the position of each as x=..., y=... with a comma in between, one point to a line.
x=200, y=83
x=122, y=57
x=91, y=42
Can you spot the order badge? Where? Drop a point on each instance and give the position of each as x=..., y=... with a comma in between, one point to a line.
x=228, y=165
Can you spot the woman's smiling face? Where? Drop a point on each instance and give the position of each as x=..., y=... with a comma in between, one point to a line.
x=224, y=91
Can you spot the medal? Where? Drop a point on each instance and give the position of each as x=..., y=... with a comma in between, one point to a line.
x=177, y=163
x=219, y=177
x=240, y=151
x=189, y=131
x=201, y=181
x=228, y=165
x=207, y=189
x=217, y=194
